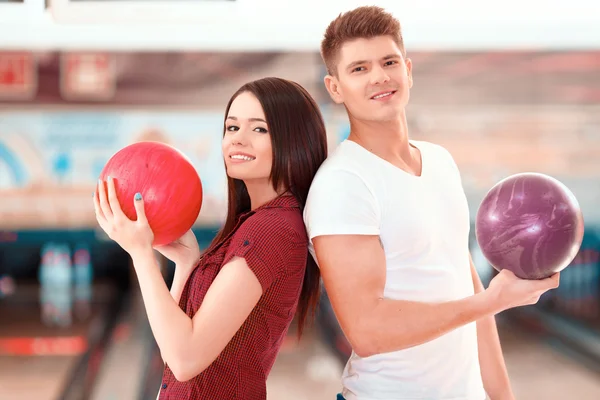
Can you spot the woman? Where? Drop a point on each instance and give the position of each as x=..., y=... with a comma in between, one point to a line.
x=222, y=325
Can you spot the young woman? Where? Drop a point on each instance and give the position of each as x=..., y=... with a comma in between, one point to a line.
x=222, y=325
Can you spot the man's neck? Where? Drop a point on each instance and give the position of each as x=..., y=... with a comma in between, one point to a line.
x=388, y=140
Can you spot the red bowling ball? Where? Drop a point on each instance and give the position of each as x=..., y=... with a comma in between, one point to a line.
x=168, y=182
x=530, y=224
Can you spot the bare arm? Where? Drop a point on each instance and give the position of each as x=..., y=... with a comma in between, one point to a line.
x=493, y=369
x=353, y=271
x=190, y=345
x=182, y=273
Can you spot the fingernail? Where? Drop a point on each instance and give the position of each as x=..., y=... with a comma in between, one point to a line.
x=109, y=177
x=138, y=196
x=94, y=194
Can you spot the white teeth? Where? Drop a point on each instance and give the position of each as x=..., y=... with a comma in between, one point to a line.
x=379, y=96
x=241, y=157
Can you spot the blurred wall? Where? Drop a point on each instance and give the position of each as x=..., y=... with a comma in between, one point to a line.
x=498, y=113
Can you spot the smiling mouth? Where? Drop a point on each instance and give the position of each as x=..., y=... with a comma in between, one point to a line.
x=383, y=95
x=242, y=157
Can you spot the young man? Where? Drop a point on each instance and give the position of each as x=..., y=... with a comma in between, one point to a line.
x=389, y=223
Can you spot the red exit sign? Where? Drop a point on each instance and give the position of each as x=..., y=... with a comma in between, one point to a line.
x=18, y=75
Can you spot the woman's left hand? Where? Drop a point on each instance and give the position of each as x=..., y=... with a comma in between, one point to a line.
x=134, y=237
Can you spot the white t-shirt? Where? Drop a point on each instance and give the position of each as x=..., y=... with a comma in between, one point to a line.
x=423, y=224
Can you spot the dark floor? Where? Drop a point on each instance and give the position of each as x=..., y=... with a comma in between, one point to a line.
x=303, y=371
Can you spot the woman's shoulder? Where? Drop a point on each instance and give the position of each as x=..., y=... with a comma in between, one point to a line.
x=276, y=222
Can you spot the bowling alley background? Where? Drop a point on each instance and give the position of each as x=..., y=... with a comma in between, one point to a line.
x=63, y=114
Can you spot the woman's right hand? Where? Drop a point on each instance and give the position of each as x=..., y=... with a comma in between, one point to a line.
x=184, y=252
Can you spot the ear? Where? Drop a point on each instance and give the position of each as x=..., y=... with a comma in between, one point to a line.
x=333, y=88
x=408, y=63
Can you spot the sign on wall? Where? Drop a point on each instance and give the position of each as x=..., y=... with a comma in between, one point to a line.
x=50, y=161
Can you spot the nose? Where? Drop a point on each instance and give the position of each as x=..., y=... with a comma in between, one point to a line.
x=238, y=138
x=379, y=76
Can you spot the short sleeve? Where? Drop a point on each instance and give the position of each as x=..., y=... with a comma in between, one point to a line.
x=267, y=244
x=340, y=203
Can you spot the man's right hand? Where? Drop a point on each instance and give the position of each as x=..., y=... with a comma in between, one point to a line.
x=509, y=291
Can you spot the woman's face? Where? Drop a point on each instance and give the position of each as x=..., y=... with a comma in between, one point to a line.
x=247, y=142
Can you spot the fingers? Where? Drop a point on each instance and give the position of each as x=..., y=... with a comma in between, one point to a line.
x=104, y=205
x=534, y=299
x=508, y=272
x=554, y=280
x=108, y=208
x=98, y=210
x=551, y=282
x=113, y=200
x=138, y=203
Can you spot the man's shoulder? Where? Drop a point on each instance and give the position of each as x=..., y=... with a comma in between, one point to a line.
x=344, y=160
x=437, y=152
x=430, y=146
x=341, y=177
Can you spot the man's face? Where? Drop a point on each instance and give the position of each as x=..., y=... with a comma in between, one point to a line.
x=373, y=79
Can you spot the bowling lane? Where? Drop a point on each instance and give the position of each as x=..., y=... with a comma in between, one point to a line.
x=38, y=359
x=132, y=354
x=311, y=370
x=34, y=377
x=539, y=369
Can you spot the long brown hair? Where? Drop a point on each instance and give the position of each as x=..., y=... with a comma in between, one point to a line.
x=299, y=142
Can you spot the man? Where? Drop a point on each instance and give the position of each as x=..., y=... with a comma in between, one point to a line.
x=389, y=222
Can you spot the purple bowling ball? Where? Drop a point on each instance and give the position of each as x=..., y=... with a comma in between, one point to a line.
x=530, y=224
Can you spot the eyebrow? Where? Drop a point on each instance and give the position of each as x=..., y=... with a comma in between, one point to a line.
x=249, y=119
x=358, y=62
